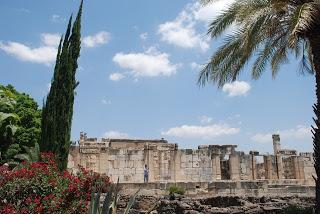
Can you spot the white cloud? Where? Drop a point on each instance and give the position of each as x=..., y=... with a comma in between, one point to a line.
x=203, y=132
x=116, y=134
x=195, y=66
x=116, y=76
x=51, y=39
x=150, y=63
x=181, y=32
x=99, y=38
x=144, y=36
x=236, y=88
x=106, y=102
x=205, y=119
x=210, y=11
x=57, y=18
x=44, y=54
x=300, y=132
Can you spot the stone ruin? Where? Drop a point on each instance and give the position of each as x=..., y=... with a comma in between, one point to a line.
x=125, y=159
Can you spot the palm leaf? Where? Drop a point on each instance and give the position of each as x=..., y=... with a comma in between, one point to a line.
x=91, y=203
x=131, y=202
x=96, y=204
x=23, y=157
x=107, y=202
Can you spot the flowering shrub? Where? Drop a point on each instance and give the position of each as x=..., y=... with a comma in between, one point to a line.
x=41, y=188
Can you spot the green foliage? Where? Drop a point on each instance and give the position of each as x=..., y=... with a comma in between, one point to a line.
x=20, y=120
x=293, y=209
x=31, y=155
x=110, y=202
x=58, y=109
x=177, y=190
x=40, y=187
x=267, y=32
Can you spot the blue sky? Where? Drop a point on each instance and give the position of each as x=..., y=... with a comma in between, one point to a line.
x=138, y=75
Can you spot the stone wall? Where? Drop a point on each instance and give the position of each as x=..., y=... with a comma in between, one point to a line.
x=126, y=158
x=241, y=188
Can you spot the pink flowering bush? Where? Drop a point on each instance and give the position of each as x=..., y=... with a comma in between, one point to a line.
x=41, y=188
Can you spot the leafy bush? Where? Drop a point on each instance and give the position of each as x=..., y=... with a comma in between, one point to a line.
x=20, y=121
x=40, y=187
x=177, y=190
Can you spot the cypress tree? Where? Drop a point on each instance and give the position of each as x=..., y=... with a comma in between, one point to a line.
x=58, y=108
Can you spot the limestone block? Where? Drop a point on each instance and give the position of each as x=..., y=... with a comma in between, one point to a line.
x=115, y=164
x=122, y=164
x=138, y=164
x=195, y=164
x=188, y=158
x=183, y=165
x=195, y=158
x=189, y=164
x=183, y=158
x=139, y=171
x=112, y=157
x=165, y=161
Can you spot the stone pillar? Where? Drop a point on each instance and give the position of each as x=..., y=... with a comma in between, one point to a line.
x=253, y=164
x=172, y=165
x=279, y=166
x=301, y=167
x=178, y=170
x=234, y=167
x=276, y=149
x=276, y=144
x=253, y=167
x=150, y=165
x=216, y=167
x=297, y=167
x=268, y=167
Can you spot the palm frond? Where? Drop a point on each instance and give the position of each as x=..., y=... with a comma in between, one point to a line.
x=222, y=22
x=305, y=20
x=279, y=57
x=305, y=65
x=22, y=157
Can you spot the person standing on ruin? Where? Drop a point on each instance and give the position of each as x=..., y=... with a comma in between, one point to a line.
x=146, y=174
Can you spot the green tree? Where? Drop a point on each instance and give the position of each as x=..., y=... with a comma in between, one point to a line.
x=20, y=120
x=268, y=31
x=58, y=109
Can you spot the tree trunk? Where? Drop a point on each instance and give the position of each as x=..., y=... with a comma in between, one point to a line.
x=315, y=51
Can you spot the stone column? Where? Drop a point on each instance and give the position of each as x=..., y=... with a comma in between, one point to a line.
x=253, y=167
x=268, y=167
x=177, y=158
x=301, y=167
x=253, y=164
x=151, y=165
x=276, y=143
x=216, y=167
x=172, y=165
x=276, y=149
x=297, y=167
x=234, y=167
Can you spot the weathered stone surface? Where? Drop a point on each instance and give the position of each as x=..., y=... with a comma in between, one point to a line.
x=126, y=158
x=215, y=205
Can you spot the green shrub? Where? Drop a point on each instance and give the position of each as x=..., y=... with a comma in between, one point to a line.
x=177, y=190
